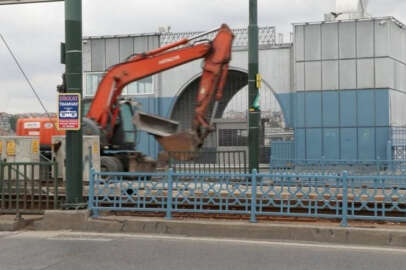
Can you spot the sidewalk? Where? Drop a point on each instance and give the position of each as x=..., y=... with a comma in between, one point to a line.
x=359, y=233
x=10, y=223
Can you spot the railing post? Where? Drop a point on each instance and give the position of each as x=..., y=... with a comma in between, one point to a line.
x=90, y=206
x=54, y=168
x=389, y=155
x=169, y=195
x=253, y=218
x=1, y=184
x=344, y=214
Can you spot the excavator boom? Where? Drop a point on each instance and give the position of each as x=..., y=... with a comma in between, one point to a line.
x=104, y=109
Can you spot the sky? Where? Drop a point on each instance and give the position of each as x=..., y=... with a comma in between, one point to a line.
x=34, y=31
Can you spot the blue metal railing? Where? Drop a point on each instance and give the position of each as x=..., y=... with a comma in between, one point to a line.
x=337, y=196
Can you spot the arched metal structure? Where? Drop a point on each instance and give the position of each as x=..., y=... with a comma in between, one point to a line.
x=182, y=110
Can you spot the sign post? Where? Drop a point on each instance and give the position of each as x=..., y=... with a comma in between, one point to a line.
x=254, y=83
x=73, y=72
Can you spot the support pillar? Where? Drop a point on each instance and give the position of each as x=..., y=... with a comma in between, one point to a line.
x=73, y=58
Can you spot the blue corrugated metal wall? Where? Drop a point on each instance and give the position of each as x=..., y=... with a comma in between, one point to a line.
x=158, y=106
x=345, y=124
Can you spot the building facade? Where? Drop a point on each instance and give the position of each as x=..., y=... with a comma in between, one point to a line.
x=340, y=84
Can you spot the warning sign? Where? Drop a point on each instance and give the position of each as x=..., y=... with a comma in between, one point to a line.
x=69, y=111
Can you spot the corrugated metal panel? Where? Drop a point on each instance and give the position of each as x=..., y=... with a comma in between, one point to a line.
x=140, y=44
x=384, y=68
x=300, y=109
x=330, y=109
x=112, y=52
x=126, y=48
x=348, y=111
x=365, y=39
x=403, y=43
x=397, y=108
x=313, y=76
x=365, y=73
x=382, y=136
x=299, y=42
x=347, y=40
x=399, y=76
x=313, y=143
x=300, y=77
x=349, y=143
x=330, y=41
x=366, y=108
x=366, y=143
x=313, y=109
x=381, y=38
x=153, y=42
x=330, y=75
x=382, y=107
x=396, y=41
x=348, y=74
x=98, y=55
x=145, y=142
x=300, y=138
x=331, y=143
x=312, y=42
x=87, y=56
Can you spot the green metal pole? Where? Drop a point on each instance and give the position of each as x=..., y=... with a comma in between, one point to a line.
x=254, y=114
x=73, y=57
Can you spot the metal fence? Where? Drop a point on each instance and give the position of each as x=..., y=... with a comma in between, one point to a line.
x=397, y=144
x=28, y=187
x=339, y=196
x=267, y=36
x=325, y=166
x=209, y=161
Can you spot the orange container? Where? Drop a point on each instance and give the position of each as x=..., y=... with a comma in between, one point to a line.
x=45, y=128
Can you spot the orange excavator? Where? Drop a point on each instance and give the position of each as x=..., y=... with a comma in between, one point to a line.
x=112, y=118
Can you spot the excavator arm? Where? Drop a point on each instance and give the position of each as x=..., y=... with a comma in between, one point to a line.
x=104, y=109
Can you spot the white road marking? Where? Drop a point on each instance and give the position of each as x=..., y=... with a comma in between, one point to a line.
x=106, y=237
x=90, y=239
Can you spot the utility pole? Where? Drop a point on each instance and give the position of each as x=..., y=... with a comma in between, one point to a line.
x=73, y=58
x=254, y=113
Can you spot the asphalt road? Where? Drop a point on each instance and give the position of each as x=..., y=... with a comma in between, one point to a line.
x=77, y=251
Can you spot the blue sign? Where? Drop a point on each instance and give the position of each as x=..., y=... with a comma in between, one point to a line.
x=69, y=111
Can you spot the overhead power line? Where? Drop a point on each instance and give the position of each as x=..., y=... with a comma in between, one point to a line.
x=25, y=75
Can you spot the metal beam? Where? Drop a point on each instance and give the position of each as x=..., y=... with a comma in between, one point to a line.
x=254, y=114
x=10, y=2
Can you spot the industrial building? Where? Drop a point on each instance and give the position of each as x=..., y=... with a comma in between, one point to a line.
x=340, y=84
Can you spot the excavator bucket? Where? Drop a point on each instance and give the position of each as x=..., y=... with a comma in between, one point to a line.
x=155, y=125
x=180, y=145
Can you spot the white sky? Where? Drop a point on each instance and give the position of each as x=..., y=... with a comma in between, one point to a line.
x=34, y=31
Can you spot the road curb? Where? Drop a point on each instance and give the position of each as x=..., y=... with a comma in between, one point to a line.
x=10, y=224
x=80, y=221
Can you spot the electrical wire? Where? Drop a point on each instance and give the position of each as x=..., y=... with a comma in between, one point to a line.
x=25, y=75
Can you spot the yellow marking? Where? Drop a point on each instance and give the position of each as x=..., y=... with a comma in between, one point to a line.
x=259, y=81
x=35, y=147
x=11, y=148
